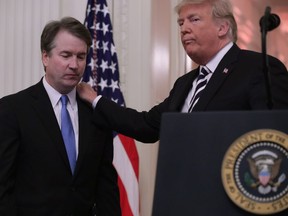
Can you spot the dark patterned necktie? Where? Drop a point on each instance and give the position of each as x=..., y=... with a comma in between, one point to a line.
x=68, y=133
x=200, y=85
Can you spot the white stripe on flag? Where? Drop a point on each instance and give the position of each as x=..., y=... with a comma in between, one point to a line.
x=127, y=175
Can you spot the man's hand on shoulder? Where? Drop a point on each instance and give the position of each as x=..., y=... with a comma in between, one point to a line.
x=86, y=92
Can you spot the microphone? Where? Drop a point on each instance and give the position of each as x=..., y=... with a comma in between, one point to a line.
x=269, y=21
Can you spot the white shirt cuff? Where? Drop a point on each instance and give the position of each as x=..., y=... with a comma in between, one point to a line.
x=95, y=101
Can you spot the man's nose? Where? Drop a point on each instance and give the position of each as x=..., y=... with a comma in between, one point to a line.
x=74, y=62
x=185, y=28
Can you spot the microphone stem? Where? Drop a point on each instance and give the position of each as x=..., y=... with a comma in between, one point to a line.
x=266, y=70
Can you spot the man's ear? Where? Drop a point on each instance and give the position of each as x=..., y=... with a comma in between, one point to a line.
x=223, y=28
x=45, y=58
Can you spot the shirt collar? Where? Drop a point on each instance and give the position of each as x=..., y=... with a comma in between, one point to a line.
x=55, y=95
x=212, y=65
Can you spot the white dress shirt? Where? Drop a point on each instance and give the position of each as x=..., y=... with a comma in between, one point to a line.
x=211, y=65
x=72, y=107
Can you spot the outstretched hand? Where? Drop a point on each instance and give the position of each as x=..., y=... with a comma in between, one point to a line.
x=86, y=92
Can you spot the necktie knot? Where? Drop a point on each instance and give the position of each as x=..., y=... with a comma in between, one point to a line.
x=202, y=80
x=204, y=72
x=64, y=100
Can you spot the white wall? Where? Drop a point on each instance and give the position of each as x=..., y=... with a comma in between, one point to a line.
x=21, y=23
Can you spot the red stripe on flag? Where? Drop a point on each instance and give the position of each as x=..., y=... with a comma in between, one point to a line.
x=125, y=207
x=103, y=58
x=131, y=150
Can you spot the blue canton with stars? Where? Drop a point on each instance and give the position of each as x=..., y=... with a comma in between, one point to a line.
x=102, y=71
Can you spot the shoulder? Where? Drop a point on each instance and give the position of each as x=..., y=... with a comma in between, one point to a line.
x=23, y=93
x=83, y=106
x=250, y=54
x=187, y=78
x=23, y=97
x=188, y=75
x=251, y=63
x=256, y=58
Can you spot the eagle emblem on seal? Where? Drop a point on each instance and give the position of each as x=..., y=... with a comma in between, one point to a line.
x=264, y=167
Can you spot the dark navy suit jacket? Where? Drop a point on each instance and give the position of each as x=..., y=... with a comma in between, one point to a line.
x=238, y=83
x=35, y=177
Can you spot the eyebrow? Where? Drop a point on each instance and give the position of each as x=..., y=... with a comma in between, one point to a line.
x=188, y=17
x=69, y=52
x=180, y=20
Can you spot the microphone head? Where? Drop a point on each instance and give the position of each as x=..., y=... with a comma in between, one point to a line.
x=273, y=21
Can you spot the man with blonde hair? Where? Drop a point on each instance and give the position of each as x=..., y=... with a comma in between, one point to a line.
x=228, y=78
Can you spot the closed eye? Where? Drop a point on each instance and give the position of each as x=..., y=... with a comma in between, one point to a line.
x=66, y=54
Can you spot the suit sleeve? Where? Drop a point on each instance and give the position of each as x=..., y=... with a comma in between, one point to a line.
x=142, y=126
x=9, y=144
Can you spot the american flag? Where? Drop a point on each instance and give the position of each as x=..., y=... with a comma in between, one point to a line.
x=103, y=75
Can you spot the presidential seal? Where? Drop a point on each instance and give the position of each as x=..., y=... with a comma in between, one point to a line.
x=255, y=172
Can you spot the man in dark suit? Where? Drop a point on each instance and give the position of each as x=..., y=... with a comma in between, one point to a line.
x=36, y=177
x=234, y=80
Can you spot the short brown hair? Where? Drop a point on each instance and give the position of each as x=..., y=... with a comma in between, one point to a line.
x=69, y=24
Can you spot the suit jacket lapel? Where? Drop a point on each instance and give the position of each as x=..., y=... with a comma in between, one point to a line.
x=84, y=119
x=222, y=71
x=43, y=108
x=182, y=90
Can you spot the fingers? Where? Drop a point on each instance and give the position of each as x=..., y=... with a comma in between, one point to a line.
x=82, y=87
x=86, y=92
